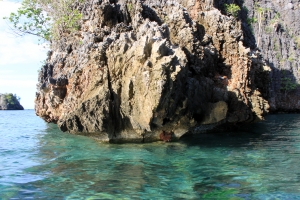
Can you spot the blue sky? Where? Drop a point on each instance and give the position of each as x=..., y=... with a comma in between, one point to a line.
x=20, y=59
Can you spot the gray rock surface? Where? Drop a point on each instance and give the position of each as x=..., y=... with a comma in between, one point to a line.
x=138, y=68
x=276, y=33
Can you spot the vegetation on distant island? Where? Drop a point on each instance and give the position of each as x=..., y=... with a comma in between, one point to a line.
x=10, y=98
x=232, y=9
x=48, y=19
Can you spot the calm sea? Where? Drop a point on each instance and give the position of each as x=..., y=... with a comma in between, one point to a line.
x=37, y=161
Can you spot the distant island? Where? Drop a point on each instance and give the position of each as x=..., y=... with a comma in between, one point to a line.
x=9, y=101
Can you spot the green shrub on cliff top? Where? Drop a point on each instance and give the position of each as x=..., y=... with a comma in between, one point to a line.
x=232, y=9
x=48, y=19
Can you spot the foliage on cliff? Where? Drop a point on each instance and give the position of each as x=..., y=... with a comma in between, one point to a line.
x=48, y=19
x=232, y=9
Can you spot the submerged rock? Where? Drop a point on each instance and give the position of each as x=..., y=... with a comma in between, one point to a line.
x=138, y=68
x=166, y=136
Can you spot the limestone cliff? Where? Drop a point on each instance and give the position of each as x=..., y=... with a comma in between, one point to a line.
x=10, y=102
x=279, y=41
x=137, y=68
x=274, y=27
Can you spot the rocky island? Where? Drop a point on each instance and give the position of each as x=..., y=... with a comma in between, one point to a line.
x=10, y=102
x=136, y=69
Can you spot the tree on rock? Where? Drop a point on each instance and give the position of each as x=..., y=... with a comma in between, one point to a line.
x=47, y=19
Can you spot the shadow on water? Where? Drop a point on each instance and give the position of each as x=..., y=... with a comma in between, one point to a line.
x=228, y=139
x=273, y=128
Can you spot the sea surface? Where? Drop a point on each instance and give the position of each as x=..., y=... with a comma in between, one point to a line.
x=37, y=161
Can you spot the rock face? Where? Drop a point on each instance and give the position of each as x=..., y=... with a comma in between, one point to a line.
x=10, y=102
x=275, y=30
x=140, y=68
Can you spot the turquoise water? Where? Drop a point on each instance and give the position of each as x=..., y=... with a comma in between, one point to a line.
x=40, y=162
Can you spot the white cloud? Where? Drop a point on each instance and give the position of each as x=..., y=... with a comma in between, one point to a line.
x=20, y=50
x=6, y=7
x=6, y=72
x=18, y=83
x=13, y=49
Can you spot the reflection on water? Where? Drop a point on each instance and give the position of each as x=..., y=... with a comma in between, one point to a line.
x=260, y=162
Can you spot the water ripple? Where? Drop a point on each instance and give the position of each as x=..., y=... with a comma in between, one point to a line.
x=39, y=161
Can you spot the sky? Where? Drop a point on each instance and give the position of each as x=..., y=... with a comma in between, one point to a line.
x=20, y=59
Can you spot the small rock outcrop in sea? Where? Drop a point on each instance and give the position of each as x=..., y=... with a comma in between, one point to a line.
x=10, y=102
x=137, y=68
